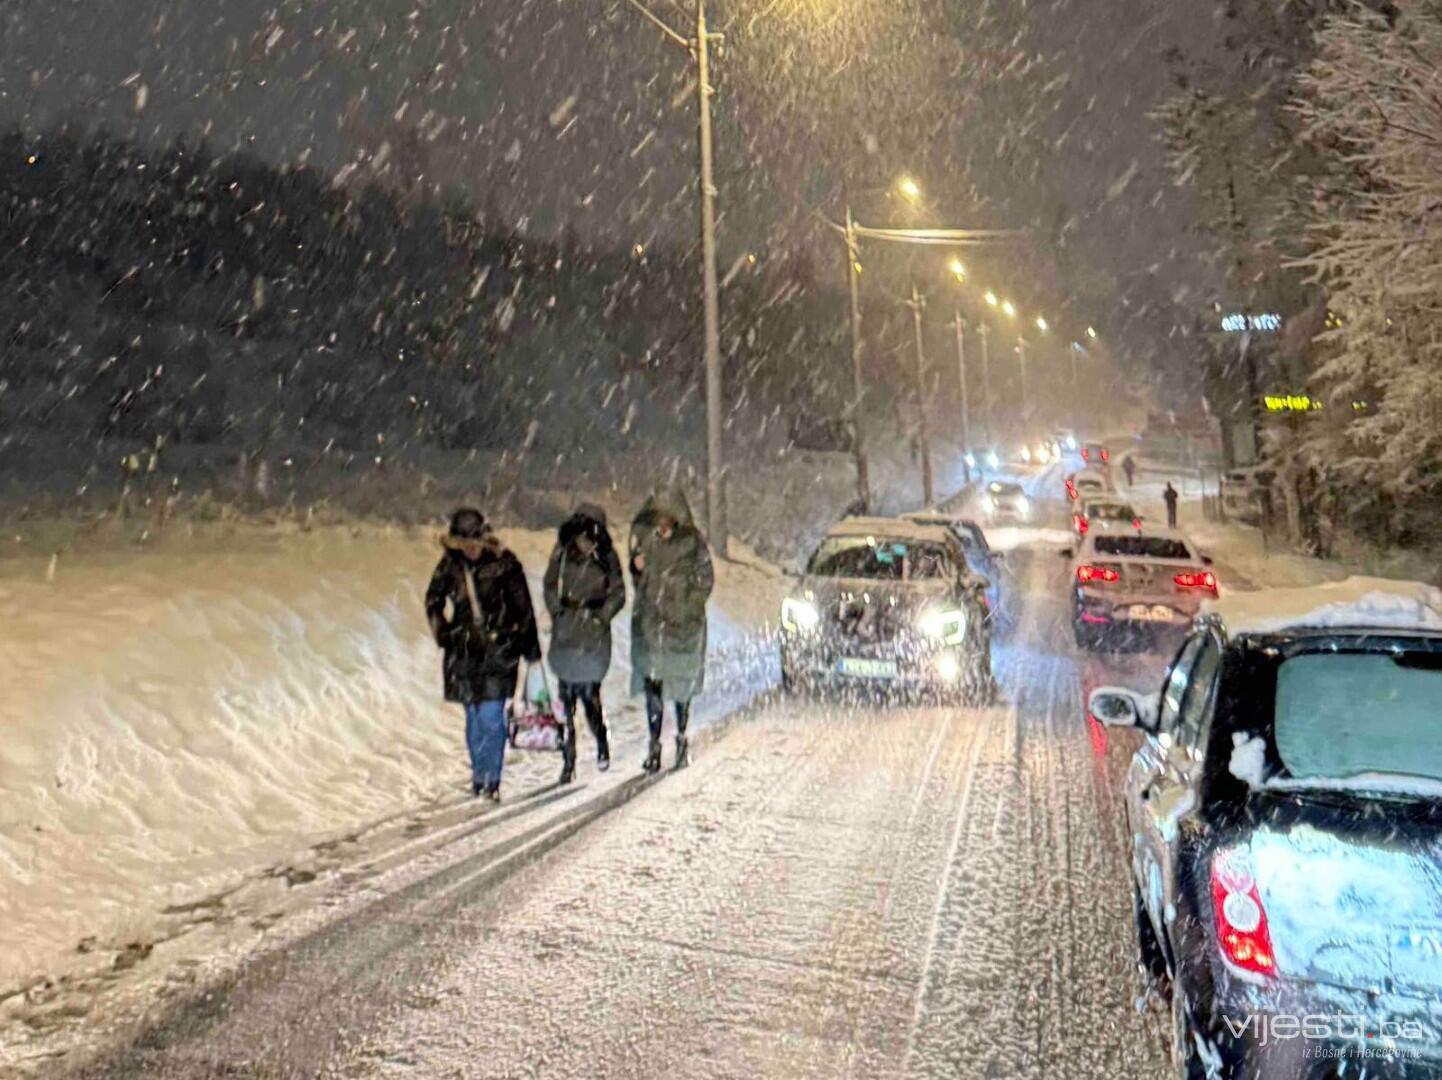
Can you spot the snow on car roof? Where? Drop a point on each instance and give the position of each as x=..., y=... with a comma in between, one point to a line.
x=1361, y=603
x=891, y=528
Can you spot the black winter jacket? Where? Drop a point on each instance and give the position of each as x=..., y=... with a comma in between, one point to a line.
x=484, y=648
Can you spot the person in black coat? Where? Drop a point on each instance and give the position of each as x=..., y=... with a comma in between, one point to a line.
x=1169, y=496
x=479, y=609
x=584, y=591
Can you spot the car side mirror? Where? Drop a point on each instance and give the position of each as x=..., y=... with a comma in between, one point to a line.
x=1116, y=706
x=1068, y=553
x=1206, y=560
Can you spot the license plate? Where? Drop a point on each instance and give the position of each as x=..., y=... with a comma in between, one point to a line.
x=868, y=669
x=1151, y=613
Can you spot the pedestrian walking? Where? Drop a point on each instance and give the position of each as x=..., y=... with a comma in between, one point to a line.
x=1129, y=467
x=1170, y=497
x=584, y=590
x=672, y=576
x=479, y=609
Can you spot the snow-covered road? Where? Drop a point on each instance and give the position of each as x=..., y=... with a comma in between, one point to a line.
x=827, y=892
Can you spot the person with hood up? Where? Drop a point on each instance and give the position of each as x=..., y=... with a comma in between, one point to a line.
x=479, y=609
x=584, y=591
x=672, y=576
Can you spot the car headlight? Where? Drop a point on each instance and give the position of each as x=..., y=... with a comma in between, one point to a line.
x=1023, y=503
x=799, y=615
x=970, y=461
x=991, y=501
x=947, y=626
x=993, y=460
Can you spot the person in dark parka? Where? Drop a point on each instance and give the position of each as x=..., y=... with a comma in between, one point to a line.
x=672, y=576
x=479, y=609
x=584, y=591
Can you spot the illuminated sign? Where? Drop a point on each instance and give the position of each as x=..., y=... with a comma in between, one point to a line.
x=1281, y=403
x=1269, y=323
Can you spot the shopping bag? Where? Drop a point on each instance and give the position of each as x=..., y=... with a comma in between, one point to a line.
x=538, y=726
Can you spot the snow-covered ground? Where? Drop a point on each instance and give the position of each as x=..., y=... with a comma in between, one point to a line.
x=178, y=724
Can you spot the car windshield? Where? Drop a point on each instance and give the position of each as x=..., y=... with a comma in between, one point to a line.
x=1347, y=715
x=883, y=559
x=1145, y=547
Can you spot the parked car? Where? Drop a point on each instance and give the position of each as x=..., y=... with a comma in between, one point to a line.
x=888, y=604
x=1137, y=589
x=1285, y=808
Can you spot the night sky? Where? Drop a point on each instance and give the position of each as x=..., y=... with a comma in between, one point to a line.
x=577, y=114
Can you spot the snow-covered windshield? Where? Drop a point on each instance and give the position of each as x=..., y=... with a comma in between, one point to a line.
x=888, y=560
x=1341, y=715
x=1146, y=547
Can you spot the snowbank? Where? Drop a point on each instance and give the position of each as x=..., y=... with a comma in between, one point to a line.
x=176, y=723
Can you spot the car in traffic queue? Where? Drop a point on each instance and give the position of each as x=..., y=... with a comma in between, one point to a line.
x=1006, y=500
x=1096, y=455
x=889, y=605
x=1136, y=588
x=1105, y=513
x=981, y=558
x=1285, y=807
x=1087, y=483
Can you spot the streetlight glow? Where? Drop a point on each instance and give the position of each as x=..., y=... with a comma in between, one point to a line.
x=909, y=188
x=958, y=271
x=1091, y=331
x=991, y=298
x=1008, y=307
x=1041, y=324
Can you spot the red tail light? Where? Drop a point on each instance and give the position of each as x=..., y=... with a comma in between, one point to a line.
x=1086, y=574
x=1137, y=524
x=1082, y=525
x=1242, y=929
x=1106, y=454
x=1071, y=490
x=1086, y=454
x=1202, y=579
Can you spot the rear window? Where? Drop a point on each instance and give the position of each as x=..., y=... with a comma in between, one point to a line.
x=880, y=558
x=1342, y=715
x=1145, y=547
x=1110, y=512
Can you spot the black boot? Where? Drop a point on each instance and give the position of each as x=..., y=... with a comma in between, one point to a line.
x=568, y=751
x=603, y=751
x=683, y=748
x=654, y=707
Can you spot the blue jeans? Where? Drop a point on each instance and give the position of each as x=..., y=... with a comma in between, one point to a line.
x=486, y=740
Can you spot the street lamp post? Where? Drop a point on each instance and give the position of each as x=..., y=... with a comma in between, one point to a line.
x=700, y=50
x=1021, y=359
x=960, y=326
x=985, y=331
x=858, y=380
x=916, y=303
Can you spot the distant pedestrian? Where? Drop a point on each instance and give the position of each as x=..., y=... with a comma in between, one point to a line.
x=1170, y=497
x=672, y=574
x=1129, y=467
x=584, y=590
x=479, y=609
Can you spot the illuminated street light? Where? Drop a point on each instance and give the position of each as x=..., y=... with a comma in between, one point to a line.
x=909, y=188
x=1041, y=324
x=991, y=298
x=1091, y=331
x=1010, y=308
x=958, y=271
